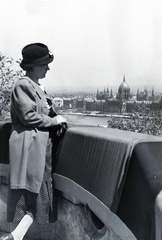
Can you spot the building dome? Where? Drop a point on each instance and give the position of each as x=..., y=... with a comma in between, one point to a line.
x=124, y=90
x=124, y=86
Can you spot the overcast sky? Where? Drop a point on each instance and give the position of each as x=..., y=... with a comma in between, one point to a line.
x=95, y=42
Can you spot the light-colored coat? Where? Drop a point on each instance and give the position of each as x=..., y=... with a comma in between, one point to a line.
x=29, y=135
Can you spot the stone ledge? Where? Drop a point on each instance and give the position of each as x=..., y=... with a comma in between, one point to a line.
x=74, y=222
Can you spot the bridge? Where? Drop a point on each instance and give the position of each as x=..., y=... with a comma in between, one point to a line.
x=108, y=185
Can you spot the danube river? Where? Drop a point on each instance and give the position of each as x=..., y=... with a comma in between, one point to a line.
x=86, y=120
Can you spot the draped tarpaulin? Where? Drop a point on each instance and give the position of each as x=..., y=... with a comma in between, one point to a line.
x=5, y=129
x=142, y=185
x=92, y=165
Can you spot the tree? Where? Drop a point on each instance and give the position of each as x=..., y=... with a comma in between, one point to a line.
x=10, y=71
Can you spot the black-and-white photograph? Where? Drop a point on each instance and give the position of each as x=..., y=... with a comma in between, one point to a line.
x=81, y=120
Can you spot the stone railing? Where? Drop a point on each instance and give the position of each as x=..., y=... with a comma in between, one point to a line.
x=109, y=185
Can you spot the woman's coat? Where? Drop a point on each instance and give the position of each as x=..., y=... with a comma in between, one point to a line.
x=29, y=135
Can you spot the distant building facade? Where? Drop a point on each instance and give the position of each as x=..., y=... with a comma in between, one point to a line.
x=105, y=95
x=145, y=95
x=105, y=102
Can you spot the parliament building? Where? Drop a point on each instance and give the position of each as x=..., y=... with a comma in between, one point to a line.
x=121, y=102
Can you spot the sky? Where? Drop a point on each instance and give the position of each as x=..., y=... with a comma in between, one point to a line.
x=95, y=42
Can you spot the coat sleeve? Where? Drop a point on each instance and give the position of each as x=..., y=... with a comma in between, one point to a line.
x=25, y=106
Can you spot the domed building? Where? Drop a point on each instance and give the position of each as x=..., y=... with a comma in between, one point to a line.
x=123, y=91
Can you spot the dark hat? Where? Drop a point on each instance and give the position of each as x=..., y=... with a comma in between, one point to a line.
x=36, y=54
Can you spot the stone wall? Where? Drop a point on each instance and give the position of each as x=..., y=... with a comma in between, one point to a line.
x=75, y=221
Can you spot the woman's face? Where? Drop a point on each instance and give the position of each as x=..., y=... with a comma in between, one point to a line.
x=40, y=71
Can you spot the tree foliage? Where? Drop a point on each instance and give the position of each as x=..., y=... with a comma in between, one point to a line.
x=142, y=120
x=10, y=71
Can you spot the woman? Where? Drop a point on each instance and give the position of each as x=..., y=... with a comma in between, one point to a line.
x=30, y=196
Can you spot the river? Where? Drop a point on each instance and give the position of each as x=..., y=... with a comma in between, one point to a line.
x=86, y=120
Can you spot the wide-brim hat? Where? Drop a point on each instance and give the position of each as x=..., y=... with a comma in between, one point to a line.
x=36, y=54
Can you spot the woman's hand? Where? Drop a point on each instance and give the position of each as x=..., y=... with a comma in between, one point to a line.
x=60, y=119
x=61, y=126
